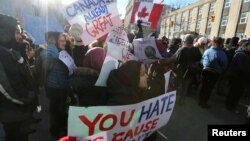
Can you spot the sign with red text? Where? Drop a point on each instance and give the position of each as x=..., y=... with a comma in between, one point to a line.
x=126, y=123
x=148, y=12
x=146, y=51
x=92, y=19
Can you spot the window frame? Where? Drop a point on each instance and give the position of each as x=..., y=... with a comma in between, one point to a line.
x=223, y=20
x=227, y=3
x=245, y=1
x=245, y=18
x=212, y=7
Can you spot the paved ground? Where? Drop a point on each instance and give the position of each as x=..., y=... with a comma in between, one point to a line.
x=188, y=122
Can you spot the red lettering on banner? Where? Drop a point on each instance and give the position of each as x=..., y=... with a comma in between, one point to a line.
x=98, y=139
x=122, y=122
x=136, y=132
x=147, y=127
x=90, y=124
x=118, y=135
x=154, y=123
x=100, y=25
x=110, y=116
x=129, y=135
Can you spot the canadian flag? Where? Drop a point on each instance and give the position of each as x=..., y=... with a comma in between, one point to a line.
x=149, y=13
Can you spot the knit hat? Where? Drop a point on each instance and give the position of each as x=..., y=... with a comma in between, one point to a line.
x=94, y=58
x=8, y=26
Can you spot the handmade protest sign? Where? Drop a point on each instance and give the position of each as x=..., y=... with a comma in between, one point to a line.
x=118, y=45
x=121, y=123
x=67, y=60
x=118, y=37
x=92, y=19
x=167, y=77
x=149, y=13
x=109, y=64
x=145, y=50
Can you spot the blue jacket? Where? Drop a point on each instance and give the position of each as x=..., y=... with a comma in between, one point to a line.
x=57, y=72
x=215, y=59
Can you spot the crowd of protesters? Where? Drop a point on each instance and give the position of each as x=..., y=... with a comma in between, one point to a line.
x=197, y=64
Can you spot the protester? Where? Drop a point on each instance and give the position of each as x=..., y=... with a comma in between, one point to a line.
x=79, y=49
x=187, y=59
x=239, y=76
x=16, y=91
x=174, y=45
x=84, y=83
x=214, y=62
x=57, y=84
x=231, y=48
x=127, y=84
x=201, y=44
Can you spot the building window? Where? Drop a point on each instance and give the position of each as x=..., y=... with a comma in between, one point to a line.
x=222, y=35
x=209, y=25
x=198, y=24
x=188, y=27
x=227, y=3
x=208, y=36
x=211, y=9
x=243, y=18
x=246, y=1
x=224, y=20
x=200, y=11
x=240, y=35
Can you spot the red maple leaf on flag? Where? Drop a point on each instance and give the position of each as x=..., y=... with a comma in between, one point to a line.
x=143, y=13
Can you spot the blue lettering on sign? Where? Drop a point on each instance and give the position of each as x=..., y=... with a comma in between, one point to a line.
x=96, y=13
x=83, y=5
x=157, y=108
x=170, y=102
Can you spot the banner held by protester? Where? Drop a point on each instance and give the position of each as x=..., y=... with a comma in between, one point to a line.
x=130, y=122
x=92, y=20
x=145, y=50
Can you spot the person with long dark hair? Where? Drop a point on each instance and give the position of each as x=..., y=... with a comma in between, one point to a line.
x=57, y=83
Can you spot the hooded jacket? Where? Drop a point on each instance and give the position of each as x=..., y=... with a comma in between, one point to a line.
x=15, y=93
x=123, y=85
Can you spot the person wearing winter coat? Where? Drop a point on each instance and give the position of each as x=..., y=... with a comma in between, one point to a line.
x=239, y=76
x=84, y=84
x=127, y=84
x=57, y=83
x=16, y=93
x=214, y=61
